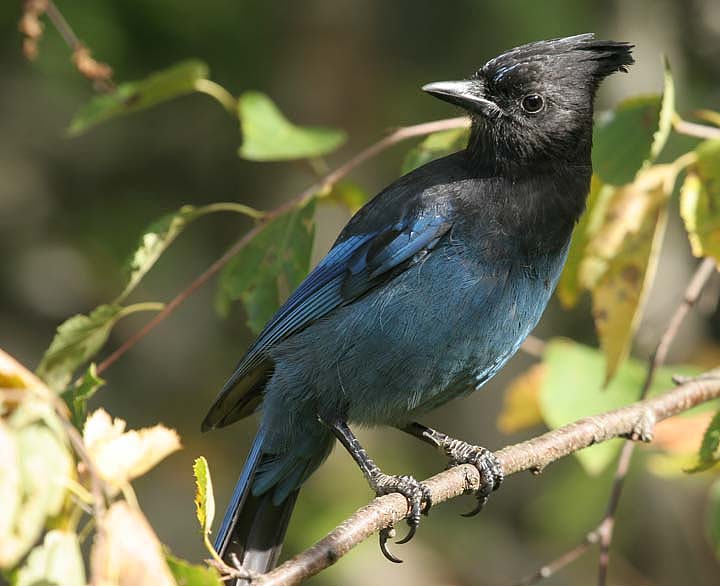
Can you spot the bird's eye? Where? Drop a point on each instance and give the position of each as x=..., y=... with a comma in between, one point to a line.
x=532, y=103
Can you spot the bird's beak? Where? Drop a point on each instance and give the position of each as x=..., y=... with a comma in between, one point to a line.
x=464, y=94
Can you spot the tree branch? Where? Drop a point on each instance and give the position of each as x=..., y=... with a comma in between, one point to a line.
x=322, y=186
x=534, y=454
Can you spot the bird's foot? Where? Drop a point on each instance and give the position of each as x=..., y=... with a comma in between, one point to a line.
x=491, y=472
x=419, y=502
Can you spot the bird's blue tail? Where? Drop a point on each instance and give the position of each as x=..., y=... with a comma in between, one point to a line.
x=253, y=528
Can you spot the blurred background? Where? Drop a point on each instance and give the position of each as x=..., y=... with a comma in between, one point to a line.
x=71, y=211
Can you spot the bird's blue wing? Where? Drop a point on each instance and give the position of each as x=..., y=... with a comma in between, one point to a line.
x=353, y=266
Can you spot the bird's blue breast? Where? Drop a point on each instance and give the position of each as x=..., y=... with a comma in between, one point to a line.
x=443, y=328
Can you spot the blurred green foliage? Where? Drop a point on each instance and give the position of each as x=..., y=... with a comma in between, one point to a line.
x=71, y=210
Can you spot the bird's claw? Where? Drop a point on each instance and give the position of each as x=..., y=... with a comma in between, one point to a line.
x=419, y=502
x=488, y=466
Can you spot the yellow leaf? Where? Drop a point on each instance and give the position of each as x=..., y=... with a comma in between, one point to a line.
x=14, y=375
x=681, y=435
x=621, y=259
x=700, y=202
x=121, y=456
x=204, y=497
x=126, y=551
x=521, y=407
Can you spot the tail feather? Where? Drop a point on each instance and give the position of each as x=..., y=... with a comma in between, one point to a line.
x=254, y=528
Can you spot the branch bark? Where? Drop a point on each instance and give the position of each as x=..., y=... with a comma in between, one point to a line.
x=534, y=455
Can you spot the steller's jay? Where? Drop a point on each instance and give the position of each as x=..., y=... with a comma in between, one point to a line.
x=427, y=292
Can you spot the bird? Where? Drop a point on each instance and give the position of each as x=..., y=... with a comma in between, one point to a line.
x=428, y=291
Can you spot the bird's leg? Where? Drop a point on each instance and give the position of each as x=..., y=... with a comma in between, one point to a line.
x=460, y=452
x=416, y=493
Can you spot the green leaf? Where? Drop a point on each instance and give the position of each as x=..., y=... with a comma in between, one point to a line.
x=154, y=241
x=713, y=518
x=572, y=388
x=187, y=574
x=57, y=562
x=133, y=96
x=79, y=338
x=435, y=146
x=667, y=114
x=269, y=136
x=700, y=201
x=80, y=393
x=709, y=454
x=161, y=234
x=204, y=496
x=623, y=139
x=270, y=267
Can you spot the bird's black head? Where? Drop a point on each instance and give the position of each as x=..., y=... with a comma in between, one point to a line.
x=534, y=104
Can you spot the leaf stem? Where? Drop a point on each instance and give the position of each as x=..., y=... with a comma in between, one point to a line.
x=696, y=130
x=229, y=206
x=215, y=90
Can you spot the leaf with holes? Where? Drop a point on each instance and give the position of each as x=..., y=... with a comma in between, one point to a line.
x=270, y=267
x=269, y=136
x=204, y=496
x=134, y=96
x=162, y=233
x=80, y=338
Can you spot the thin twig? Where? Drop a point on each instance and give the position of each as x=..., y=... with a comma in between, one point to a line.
x=322, y=186
x=98, y=487
x=560, y=562
x=63, y=26
x=534, y=454
x=603, y=533
x=693, y=129
x=100, y=74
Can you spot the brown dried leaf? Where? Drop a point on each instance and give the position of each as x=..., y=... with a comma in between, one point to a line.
x=127, y=552
x=31, y=27
x=121, y=456
x=681, y=435
x=88, y=67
